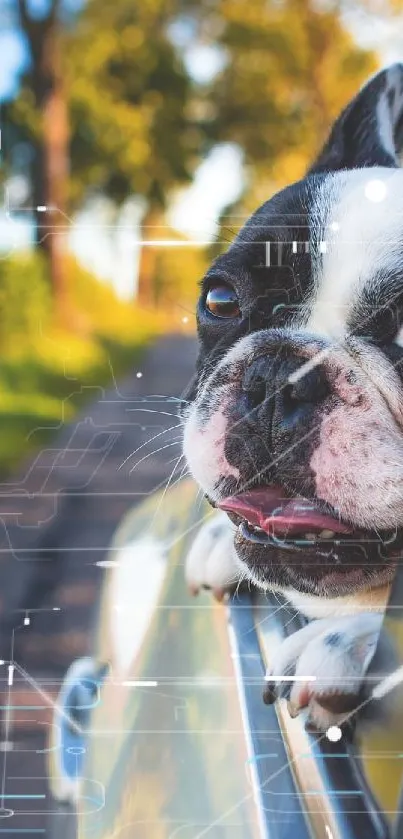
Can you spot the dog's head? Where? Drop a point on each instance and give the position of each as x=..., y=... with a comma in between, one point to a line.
x=295, y=417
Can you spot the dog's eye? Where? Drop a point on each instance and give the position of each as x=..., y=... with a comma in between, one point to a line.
x=222, y=302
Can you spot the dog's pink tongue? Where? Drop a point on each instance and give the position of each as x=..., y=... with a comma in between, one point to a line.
x=268, y=509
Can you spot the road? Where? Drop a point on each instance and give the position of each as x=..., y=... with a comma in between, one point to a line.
x=57, y=518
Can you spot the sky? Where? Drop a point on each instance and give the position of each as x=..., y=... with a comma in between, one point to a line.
x=112, y=249
x=12, y=59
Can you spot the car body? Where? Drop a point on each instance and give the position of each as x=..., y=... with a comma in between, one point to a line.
x=173, y=738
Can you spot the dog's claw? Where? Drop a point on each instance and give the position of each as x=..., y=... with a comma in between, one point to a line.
x=293, y=709
x=321, y=668
x=218, y=593
x=269, y=693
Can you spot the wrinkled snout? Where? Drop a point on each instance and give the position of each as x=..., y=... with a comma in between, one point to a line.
x=321, y=419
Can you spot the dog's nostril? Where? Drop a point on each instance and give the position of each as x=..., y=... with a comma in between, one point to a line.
x=299, y=398
x=267, y=382
x=311, y=388
x=293, y=407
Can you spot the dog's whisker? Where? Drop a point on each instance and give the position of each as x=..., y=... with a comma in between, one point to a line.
x=155, y=451
x=152, y=397
x=151, y=411
x=179, y=478
x=150, y=440
x=168, y=484
x=199, y=499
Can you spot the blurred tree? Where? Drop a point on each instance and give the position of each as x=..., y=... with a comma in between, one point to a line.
x=127, y=96
x=289, y=69
x=131, y=130
x=139, y=123
x=49, y=135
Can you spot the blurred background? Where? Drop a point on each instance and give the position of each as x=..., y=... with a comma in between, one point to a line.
x=135, y=138
x=125, y=123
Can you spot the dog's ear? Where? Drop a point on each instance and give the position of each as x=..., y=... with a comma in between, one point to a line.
x=369, y=132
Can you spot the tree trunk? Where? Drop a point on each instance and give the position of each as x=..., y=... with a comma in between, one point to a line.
x=151, y=228
x=51, y=164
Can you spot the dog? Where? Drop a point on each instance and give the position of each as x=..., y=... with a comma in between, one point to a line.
x=293, y=426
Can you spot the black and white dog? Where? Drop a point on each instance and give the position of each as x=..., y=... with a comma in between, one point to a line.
x=294, y=425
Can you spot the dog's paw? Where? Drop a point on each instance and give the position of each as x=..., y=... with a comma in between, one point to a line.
x=327, y=661
x=211, y=562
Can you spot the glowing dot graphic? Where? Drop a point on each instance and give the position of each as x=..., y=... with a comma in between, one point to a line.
x=139, y=375
x=335, y=225
x=334, y=733
x=185, y=320
x=375, y=190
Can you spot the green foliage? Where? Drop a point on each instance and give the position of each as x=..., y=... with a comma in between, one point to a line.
x=128, y=93
x=136, y=114
x=291, y=68
x=24, y=296
x=139, y=124
x=47, y=374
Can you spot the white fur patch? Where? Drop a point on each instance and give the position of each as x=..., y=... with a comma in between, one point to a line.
x=238, y=352
x=203, y=446
x=212, y=560
x=368, y=238
x=323, y=607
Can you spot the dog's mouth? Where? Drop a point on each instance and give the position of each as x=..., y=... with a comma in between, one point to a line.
x=265, y=516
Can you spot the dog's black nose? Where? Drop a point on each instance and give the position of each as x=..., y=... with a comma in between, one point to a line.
x=299, y=396
x=284, y=393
